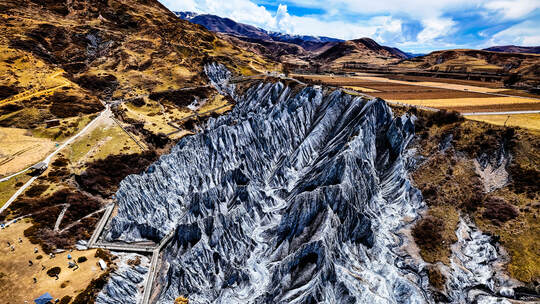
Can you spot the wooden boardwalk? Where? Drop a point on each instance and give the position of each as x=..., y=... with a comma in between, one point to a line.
x=94, y=242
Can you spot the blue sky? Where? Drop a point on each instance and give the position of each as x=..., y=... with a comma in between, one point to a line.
x=417, y=26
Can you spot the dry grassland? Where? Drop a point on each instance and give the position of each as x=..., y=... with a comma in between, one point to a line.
x=361, y=89
x=469, y=102
x=529, y=121
x=468, y=63
x=398, y=90
x=67, y=128
x=154, y=117
x=435, y=84
x=9, y=187
x=157, y=115
x=105, y=139
x=416, y=79
x=497, y=107
x=19, y=150
x=16, y=276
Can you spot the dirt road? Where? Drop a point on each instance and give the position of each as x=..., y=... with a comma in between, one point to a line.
x=105, y=114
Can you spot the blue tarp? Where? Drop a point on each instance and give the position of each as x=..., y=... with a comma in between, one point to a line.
x=44, y=298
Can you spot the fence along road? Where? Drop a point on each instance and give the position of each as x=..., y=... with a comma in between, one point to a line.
x=126, y=247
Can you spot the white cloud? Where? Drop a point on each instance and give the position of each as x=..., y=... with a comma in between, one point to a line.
x=383, y=28
x=382, y=20
x=513, y=9
x=284, y=23
x=412, y=8
x=435, y=28
x=239, y=10
x=526, y=33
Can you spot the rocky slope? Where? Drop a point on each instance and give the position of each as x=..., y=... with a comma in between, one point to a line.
x=299, y=195
x=478, y=182
x=225, y=25
x=360, y=51
x=466, y=61
x=328, y=52
x=103, y=49
x=514, y=49
x=62, y=61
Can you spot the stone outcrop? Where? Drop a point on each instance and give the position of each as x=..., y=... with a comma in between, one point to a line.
x=296, y=196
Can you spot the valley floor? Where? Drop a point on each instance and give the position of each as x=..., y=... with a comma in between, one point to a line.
x=453, y=95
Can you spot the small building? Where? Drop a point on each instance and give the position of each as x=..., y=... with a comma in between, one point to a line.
x=38, y=168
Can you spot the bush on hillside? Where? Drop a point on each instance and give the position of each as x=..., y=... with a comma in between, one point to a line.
x=427, y=232
x=54, y=271
x=498, y=210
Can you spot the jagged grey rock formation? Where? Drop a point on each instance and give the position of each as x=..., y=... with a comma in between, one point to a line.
x=291, y=198
x=296, y=196
x=476, y=268
x=126, y=282
x=219, y=77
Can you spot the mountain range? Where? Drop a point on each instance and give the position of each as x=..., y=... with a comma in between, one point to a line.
x=225, y=25
x=325, y=51
x=477, y=61
x=514, y=49
x=204, y=179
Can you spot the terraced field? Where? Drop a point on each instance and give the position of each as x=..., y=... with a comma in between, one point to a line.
x=487, y=104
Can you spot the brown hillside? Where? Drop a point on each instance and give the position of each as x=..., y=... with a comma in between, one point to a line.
x=85, y=50
x=60, y=61
x=359, y=51
x=527, y=65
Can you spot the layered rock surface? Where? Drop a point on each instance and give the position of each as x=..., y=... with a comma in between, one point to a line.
x=296, y=196
x=125, y=284
x=291, y=198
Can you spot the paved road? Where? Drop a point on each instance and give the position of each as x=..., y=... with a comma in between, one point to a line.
x=124, y=247
x=47, y=160
x=79, y=220
x=16, y=219
x=103, y=114
x=155, y=250
x=13, y=175
x=14, y=196
x=501, y=113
